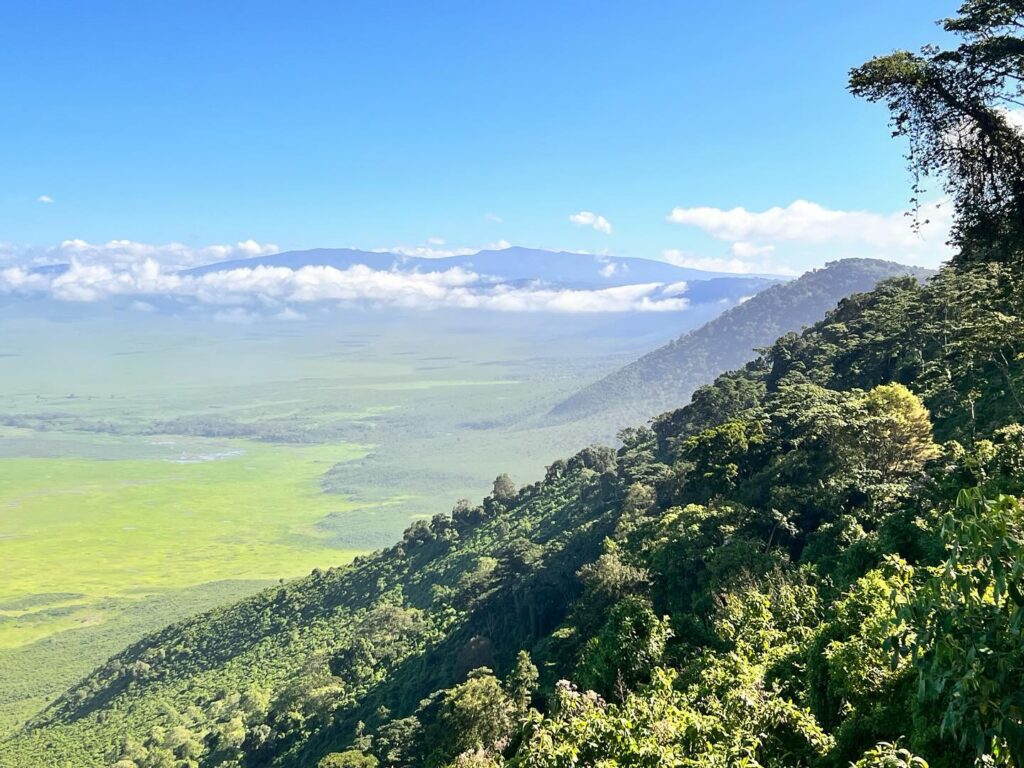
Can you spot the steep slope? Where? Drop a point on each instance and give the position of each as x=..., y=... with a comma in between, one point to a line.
x=669, y=375
x=723, y=583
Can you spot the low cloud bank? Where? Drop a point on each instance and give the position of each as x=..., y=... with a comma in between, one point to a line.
x=97, y=273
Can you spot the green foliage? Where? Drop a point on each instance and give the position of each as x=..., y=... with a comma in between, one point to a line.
x=626, y=649
x=963, y=629
x=853, y=687
x=889, y=755
x=476, y=715
x=477, y=759
x=397, y=743
x=894, y=438
x=351, y=758
x=661, y=726
x=610, y=578
x=654, y=728
x=721, y=457
x=504, y=489
x=951, y=105
x=521, y=683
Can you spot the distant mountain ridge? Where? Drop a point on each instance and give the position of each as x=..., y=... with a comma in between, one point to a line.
x=668, y=376
x=507, y=269
x=572, y=270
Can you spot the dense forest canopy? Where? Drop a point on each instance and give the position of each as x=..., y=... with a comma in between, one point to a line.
x=818, y=562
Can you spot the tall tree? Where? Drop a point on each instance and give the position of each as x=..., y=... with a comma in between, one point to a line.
x=956, y=108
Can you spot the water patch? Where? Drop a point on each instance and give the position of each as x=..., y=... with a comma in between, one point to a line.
x=203, y=458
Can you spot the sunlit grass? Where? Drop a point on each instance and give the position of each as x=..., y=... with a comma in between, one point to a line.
x=212, y=510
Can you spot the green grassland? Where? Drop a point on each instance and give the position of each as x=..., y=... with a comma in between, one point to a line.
x=210, y=510
x=98, y=551
x=155, y=467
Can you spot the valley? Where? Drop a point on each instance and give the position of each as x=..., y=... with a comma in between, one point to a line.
x=528, y=385
x=135, y=492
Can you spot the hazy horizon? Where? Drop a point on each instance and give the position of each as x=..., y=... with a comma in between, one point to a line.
x=676, y=133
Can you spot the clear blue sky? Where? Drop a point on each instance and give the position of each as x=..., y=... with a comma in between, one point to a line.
x=376, y=124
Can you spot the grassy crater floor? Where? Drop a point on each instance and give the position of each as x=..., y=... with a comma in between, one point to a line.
x=95, y=550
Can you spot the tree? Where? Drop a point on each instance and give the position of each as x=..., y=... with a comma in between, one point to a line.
x=889, y=755
x=477, y=758
x=721, y=457
x=853, y=687
x=653, y=728
x=417, y=534
x=397, y=743
x=476, y=714
x=952, y=106
x=504, y=488
x=465, y=514
x=895, y=436
x=351, y=758
x=522, y=681
x=963, y=629
x=608, y=578
x=662, y=726
x=626, y=649
x=640, y=501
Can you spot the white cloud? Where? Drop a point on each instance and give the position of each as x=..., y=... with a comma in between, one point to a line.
x=591, y=219
x=245, y=294
x=435, y=240
x=21, y=280
x=675, y=289
x=608, y=269
x=743, y=250
x=91, y=282
x=45, y=199
x=626, y=298
x=169, y=255
x=493, y=218
x=810, y=223
x=712, y=264
x=732, y=265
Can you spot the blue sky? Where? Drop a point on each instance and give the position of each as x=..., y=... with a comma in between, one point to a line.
x=400, y=124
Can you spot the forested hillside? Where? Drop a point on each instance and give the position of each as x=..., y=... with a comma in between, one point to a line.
x=759, y=574
x=818, y=562
x=670, y=374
